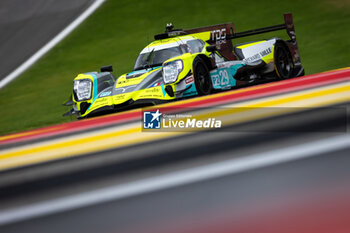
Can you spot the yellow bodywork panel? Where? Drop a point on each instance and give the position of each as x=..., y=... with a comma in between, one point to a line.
x=269, y=58
x=84, y=76
x=203, y=35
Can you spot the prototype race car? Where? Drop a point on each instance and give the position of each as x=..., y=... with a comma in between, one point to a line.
x=183, y=63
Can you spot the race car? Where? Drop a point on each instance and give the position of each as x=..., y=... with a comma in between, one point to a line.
x=185, y=63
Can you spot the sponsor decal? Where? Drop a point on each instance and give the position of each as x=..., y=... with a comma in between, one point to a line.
x=218, y=35
x=257, y=51
x=253, y=58
x=153, y=90
x=265, y=52
x=259, y=55
x=122, y=82
x=150, y=96
x=151, y=93
x=107, y=93
x=156, y=84
x=189, y=80
x=101, y=101
x=119, y=97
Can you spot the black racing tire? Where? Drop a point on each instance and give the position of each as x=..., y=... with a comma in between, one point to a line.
x=201, y=77
x=284, y=65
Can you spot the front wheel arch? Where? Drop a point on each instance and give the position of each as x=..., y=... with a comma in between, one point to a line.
x=207, y=61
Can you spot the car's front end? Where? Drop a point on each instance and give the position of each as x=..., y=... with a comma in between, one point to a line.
x=163, y=72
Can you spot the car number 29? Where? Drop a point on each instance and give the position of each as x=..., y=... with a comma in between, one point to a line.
x=222, y=79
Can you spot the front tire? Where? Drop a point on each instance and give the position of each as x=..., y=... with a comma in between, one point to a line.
x=283, y=61
x=201, y=77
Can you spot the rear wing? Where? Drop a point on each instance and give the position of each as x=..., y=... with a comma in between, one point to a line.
x=222, y=37
x=227, y=31
x=222, y=34
x=288, y=25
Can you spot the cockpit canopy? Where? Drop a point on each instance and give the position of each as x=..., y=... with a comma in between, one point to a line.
x=153, y=56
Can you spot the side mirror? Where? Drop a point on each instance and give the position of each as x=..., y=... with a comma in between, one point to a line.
x=211, y=48
x=106, y=68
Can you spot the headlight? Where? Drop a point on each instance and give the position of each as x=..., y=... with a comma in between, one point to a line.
x=83, y=89
x=171, y=71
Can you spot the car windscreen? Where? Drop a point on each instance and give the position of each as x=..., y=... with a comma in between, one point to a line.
x=156, y=57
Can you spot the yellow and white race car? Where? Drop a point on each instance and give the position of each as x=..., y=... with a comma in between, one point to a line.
x=184, y=63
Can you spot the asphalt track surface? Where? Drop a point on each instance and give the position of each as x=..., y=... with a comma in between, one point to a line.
x=26, y=26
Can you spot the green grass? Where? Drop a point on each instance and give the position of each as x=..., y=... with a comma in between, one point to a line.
x=117, y=32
